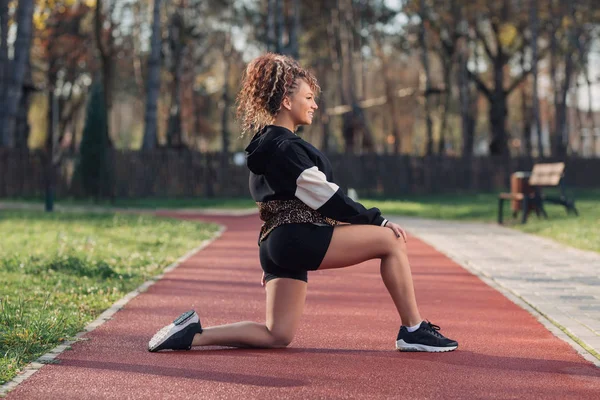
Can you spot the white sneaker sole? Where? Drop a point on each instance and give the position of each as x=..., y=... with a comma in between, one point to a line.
x=401, y=345
x=166, y=332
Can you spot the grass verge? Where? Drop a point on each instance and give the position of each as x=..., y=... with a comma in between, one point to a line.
x=59, y=271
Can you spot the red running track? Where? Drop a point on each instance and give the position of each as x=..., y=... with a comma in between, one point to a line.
x=344, y=348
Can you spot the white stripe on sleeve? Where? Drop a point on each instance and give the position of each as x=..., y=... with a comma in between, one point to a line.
x=313, y=188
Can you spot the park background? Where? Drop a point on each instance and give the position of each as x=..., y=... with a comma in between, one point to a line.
x=427, y=107
x=426, y=96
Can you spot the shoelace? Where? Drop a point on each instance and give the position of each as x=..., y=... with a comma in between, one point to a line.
x=434, y=329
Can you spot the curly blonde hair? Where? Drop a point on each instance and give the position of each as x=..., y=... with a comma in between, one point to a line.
x=265, y=83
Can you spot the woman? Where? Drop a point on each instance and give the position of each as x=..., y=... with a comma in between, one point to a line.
x=291, y=182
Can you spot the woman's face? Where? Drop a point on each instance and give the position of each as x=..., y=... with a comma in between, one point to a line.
x=302, y=104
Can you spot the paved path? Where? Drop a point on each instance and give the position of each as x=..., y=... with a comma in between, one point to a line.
x=343, y=348
x=560, y=283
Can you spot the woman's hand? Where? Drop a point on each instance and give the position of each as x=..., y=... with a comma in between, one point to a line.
x=262, y=280
x=397, y=230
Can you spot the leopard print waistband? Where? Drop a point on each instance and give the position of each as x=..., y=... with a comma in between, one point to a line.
x=278, y=212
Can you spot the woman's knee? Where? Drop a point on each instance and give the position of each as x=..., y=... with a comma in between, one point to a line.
x=394, y=244
x=281, y=338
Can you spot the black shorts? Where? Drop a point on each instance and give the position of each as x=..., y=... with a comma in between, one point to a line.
x=291, y=250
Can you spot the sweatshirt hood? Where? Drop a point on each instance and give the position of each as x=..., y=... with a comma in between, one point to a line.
x=262, y=147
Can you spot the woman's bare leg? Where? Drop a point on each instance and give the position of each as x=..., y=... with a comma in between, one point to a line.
x=285, y=303
x=353, y=244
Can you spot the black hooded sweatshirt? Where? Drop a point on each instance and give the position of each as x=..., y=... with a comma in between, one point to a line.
x=289, y=176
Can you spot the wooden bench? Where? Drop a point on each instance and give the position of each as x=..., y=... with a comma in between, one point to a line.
x=532, y=197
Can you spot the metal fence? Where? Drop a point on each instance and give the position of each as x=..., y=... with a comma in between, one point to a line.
x=172, y=174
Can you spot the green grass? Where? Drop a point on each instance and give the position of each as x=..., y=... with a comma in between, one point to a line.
x=148, y=203
x=59, y=271
x=582, y=232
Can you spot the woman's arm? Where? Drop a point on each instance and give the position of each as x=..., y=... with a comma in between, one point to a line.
x=313, y=188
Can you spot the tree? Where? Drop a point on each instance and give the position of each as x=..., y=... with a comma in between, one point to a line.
x=526, y=114
x=498, y=35
x=425, y=60
x=535, y=102
x=179, y=40
x=93, y=167
x=13, y=89
x=226, y=98
x=197, y=35
x=105, y=44
x=63, y=52
x=153, y=85
x=389, y=92
x=565, y=32
x=4, y=17
x=354, y=122
x=283, y=21
x=584, y=44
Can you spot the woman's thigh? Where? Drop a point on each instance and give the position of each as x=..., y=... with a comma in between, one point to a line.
x=353, y=244
x=285, y=303
x=297, y=247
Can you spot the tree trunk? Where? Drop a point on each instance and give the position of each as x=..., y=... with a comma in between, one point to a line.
x=562, y=126
x=560, y=137
x=226, y=98
x=498, y=106
x=136, y=39
x=555, y=91
x=355, y=121
x=106, y=66
x=447, y=67
x=464, y=91
x=279, y=23
x=293, y=47
x=271, y=41
x=358, y=8
x=334, y=55
x=535, y=102
x=22, y=125
x=153, y=82
x=579, y=115
x=325, y=124
x=178, y=48
x=467, y=119
x=4, y=62
x=497, y=115
x=562, y=123
x=390, y=96
x=14, y=89
x=174, y=128
x=590, y=113
x=50, y=173
x=525, y=114
x=340, y=50
x=49, y=121
x=425, y=61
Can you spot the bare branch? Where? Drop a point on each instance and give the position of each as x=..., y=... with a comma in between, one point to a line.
x=486, y=46
x=526, y=72
x=480, y=85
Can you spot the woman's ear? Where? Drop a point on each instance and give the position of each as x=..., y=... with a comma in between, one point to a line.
x=287, y=103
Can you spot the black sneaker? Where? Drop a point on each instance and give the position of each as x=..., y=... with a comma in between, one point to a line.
x=178, y=335
x=426, y=338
